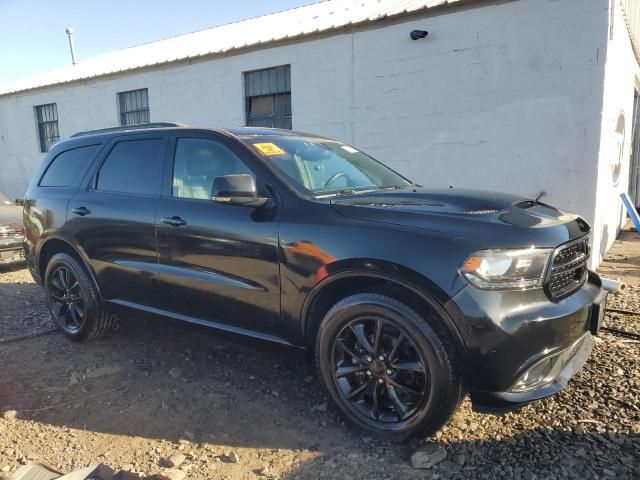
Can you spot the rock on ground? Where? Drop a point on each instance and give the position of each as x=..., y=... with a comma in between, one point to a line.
x=174, y=460
x=170, y=474
x=427, y=456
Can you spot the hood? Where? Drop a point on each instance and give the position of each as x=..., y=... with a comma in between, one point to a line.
x=11, y=216
x=493, y=220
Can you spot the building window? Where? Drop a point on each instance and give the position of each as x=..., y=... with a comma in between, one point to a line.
x=268, y=97
x=134, y=107
x=47, y=118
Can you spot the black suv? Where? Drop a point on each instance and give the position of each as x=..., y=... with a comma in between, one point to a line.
x=409, y=298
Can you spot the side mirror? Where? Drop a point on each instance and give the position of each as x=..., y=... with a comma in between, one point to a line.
x=237, y=190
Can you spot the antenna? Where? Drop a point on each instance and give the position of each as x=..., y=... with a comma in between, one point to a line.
x=70, y=33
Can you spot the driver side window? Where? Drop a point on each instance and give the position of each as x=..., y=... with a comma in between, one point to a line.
x=198, y=162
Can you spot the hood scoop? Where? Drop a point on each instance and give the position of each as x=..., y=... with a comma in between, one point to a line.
x=525, y=204
x=514, y=220
x=420, y=203
x=393, y=203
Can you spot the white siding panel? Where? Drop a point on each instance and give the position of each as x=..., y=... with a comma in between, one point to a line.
x=621, y=74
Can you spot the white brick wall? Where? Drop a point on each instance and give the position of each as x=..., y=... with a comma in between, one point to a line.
x=621, y=79
x=501, y=96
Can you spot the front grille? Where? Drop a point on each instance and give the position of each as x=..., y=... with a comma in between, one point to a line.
x=568, y=268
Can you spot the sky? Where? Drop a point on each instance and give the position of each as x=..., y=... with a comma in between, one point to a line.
x=33, y=38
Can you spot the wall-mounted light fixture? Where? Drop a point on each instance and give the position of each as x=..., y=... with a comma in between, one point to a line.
x=418, y=34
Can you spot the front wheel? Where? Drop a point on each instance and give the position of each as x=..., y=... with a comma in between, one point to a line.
x=390, y=371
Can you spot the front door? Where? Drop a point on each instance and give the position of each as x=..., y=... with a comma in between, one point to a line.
x=218, y=263
x=112, y=218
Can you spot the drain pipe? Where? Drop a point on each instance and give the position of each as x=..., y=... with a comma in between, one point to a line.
x=70, y=33
x=613, y=286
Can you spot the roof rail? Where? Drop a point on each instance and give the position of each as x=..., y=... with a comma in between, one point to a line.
x=129, y=127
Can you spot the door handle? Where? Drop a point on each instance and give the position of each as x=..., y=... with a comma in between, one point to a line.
x=82, y=211
x=173, y=221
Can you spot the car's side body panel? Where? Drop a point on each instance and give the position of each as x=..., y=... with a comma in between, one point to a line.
x=118, y=233
x=318, y=245
x=45, y=209
x=223, y=258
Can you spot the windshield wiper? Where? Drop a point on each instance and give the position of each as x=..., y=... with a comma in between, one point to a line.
x=346, y=191
x=352, y=191
x=394, y=187
x=349, y=191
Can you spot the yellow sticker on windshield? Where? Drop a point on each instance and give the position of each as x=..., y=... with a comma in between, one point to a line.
x=269, y=149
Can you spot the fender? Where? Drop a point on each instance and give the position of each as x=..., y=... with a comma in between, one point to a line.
x=77, y=249
x=406, y=278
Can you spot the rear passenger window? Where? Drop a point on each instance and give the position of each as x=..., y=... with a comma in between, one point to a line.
x=67, y=167
x=132, y=166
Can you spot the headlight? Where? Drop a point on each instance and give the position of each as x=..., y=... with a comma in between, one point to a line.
x=507, y=269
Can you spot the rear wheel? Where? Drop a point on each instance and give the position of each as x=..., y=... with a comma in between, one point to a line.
x=390, y=371
x=73, y=300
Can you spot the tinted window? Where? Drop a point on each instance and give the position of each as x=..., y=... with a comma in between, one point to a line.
x=67, y=167
x=132, y=167
x=198, y=163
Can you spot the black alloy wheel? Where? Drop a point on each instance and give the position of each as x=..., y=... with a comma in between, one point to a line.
x=67, y=300
x=379, y=371
x=73, y=299
x=391, y=371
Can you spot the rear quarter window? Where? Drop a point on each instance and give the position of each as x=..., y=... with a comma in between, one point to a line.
x=67, y=167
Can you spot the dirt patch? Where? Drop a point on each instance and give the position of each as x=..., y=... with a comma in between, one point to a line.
x=243, y=409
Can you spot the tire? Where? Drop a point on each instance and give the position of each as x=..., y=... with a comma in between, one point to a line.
x=422, y=372
x=73, y=300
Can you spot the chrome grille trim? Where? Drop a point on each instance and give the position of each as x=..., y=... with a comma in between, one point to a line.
x=568, y=269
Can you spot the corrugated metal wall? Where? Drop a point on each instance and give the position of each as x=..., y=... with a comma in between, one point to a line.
x=631, y=9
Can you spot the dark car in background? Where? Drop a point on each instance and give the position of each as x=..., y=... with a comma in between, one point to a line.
x=409, y=298
x=11, y=231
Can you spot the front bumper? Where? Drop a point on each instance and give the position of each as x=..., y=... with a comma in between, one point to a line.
x=11, y=249
x=508, y=333
x=574, y=359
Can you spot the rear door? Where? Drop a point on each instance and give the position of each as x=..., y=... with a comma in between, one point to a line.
x=218, y=263
x=112, y=218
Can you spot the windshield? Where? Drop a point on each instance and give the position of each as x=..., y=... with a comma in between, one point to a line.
x=4, y=200
x=325, y=166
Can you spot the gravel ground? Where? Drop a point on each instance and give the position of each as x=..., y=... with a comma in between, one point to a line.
x=239, y=409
